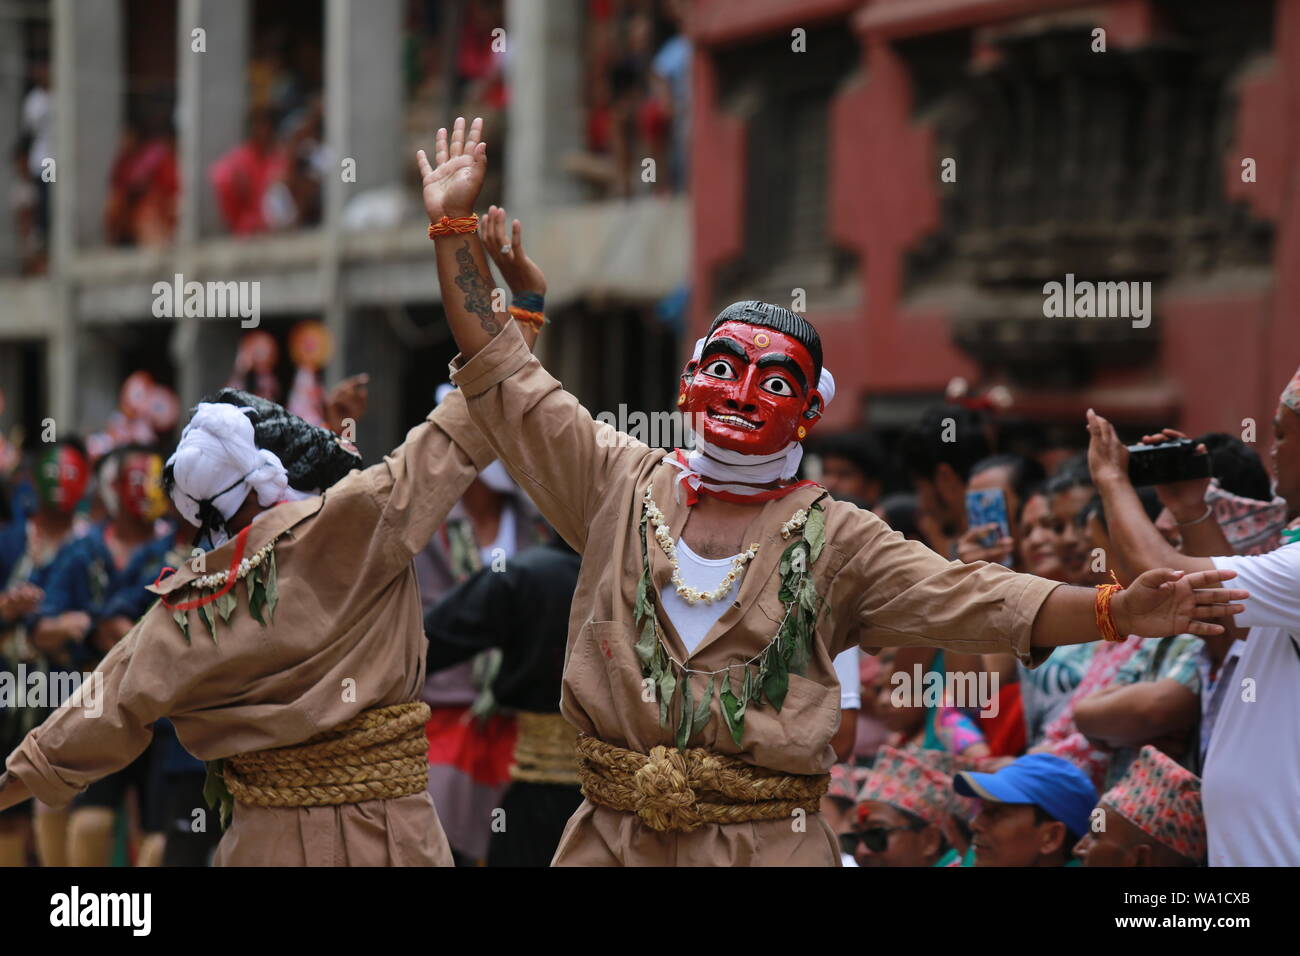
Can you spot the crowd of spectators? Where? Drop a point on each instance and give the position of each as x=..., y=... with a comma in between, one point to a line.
x=1096, y=755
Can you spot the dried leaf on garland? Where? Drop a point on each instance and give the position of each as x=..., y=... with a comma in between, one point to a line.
x=205, y=612
x=226, y=604
x=272, y=595
x=687, y=715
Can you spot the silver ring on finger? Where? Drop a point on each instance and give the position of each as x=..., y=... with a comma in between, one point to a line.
x=505, y=250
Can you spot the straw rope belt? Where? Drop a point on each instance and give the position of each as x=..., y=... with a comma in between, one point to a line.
x=380, y=754
x=546, y=750
x=671, y=789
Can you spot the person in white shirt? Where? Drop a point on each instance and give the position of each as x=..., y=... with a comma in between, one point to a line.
x=1251, y=778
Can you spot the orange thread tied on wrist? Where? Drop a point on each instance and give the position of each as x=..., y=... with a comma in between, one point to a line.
x=1105, y=620
x=446, y=226
x=536, y=319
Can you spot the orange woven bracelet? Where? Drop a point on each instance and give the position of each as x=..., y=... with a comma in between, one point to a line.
x=446, y=226
x=535, y=319
x=1105, y=620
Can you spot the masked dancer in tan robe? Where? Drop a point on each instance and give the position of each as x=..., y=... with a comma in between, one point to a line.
x=717, y=751
x=301, y=677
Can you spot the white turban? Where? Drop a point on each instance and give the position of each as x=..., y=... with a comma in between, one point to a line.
x=218, y=461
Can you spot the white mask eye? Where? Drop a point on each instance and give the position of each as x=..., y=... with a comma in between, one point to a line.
x=777, y=385
x=719, y=368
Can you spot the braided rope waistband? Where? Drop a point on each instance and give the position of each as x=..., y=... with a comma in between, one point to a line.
x=546, y=750
x=380, y=754
x=671, y=789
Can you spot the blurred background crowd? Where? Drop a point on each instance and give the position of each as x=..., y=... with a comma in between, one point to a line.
x=666, y=157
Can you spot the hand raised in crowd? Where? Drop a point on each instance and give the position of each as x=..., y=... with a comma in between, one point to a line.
x=1107, y=455
x=347, y=400
x=970, y=546
x=1184, y=499
x=520, y=273
x=1163, y=602
x=452, y=184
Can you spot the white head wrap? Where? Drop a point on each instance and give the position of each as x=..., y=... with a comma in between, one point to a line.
x=721, y=469
x=217, y=460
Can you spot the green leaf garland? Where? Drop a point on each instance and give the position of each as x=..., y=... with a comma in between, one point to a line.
x=768, y=676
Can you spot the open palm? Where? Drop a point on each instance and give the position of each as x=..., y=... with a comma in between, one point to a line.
x=1163, y=602
x=451, y=186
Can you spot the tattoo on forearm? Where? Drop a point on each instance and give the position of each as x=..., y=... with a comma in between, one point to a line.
x=478, y=298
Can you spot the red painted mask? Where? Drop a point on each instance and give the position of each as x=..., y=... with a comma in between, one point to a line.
x=753, y=389
x=139, y=487
x=61, y=476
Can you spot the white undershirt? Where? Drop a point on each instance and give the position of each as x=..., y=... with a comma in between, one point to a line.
x=694, y=621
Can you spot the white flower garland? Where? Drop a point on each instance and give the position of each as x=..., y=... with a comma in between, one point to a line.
x=692, y=595
x=218, y=579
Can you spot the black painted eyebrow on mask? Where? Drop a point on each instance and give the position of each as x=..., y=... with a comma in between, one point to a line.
x=786, y=364
x=726, y=346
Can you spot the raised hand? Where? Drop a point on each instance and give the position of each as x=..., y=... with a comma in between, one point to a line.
x=346, y=400
x=451, y=186
x=507, y=251
x=1163, y=602
x=1107, y=455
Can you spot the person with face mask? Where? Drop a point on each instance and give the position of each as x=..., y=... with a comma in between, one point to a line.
x=706, y=705
x=289, y=652
x=77, y=628
x=30, y=548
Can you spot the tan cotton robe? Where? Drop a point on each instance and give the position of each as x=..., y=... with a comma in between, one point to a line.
x=882, y=590
x=347, y=635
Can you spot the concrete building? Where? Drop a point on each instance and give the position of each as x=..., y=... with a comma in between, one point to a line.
x=68, y=338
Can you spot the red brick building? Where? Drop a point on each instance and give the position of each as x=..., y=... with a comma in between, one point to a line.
x=821, y=170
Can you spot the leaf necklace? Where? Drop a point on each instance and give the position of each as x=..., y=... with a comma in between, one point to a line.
x=258, y=573
x=788, y=651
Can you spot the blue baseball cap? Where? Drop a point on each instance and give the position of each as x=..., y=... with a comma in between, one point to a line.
x=1060, y=788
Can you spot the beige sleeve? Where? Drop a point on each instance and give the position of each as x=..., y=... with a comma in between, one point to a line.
x=109, y=722
x=417, y=483
x=563, y=458
x=903, y=594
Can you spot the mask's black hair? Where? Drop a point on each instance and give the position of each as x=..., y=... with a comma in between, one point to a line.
x=311, y=455
x=782, y=320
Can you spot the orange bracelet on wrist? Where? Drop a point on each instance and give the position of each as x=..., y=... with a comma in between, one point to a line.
x=536, y=319
x=1105, y=619
x=447, y=226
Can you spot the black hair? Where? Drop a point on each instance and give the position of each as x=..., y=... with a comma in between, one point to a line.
x=1150, y=504
x=924, y=448
x=900, y=514
x=1237, y=466
x=1042, y=816
x=312, y=456
x=1026, y=473
x=782, y=320
x=859, y=448
x=1073, y=473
